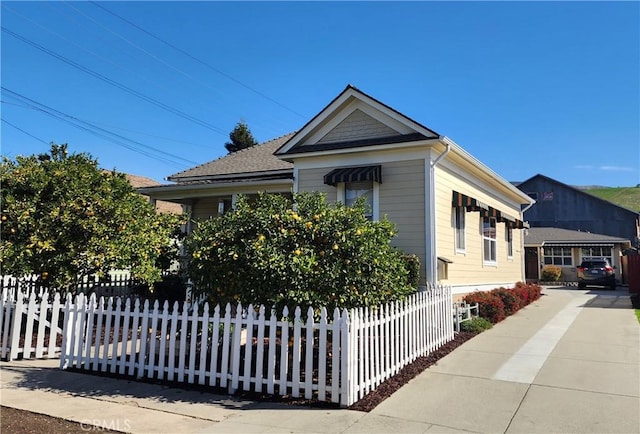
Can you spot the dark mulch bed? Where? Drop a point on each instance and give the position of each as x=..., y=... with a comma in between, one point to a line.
x=16, y=421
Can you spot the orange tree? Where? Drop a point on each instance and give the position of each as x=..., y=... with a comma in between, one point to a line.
x=279, y=252
x=63, y=218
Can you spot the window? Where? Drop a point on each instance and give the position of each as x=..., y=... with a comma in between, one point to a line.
x=509, y=236
x=558, y=256
x=459, y=222
x=356, y=190
x=598, y=252
x=489, y=243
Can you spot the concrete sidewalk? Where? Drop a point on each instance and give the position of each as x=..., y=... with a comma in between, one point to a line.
x=569, y=362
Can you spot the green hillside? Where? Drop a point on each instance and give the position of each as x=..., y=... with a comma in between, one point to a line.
x=628, y=197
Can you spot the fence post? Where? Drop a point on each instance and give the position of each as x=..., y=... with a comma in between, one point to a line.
x=67, y=329
x=16, y=326
x=347, y=374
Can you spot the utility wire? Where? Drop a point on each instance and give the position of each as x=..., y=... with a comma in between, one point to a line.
x=213, y=68
x=23, y=131
x=115, y=83
x=98, y=131
x=166, y=139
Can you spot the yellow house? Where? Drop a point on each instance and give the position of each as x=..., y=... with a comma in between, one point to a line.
x=458, y=216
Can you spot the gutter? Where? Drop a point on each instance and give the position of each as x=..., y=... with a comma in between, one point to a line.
x=448, y=143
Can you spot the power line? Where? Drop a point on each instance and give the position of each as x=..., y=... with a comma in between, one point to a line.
x=166, y=139
x=99, y=132
x=23, y=131
x=115, y=83
x=213, y=68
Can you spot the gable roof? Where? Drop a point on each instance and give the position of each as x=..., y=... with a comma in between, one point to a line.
x=258, y=159
x=545, y=236
x=407, y=130
x=522, y=186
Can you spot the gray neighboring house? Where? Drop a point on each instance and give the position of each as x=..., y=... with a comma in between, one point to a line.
x=561, y=206
x=566, y=249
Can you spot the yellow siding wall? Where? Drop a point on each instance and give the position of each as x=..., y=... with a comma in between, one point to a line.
x=402, y=201
x=468, y=268
x=205, y=208
x=313, y=180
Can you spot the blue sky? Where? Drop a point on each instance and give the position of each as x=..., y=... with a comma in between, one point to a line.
x=527, y=88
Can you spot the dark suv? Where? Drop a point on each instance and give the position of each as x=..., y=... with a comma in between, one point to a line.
x=596, y=271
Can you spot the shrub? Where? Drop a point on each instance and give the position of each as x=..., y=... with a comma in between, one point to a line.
x=413, y=266
x=510, y=299
x=551, y=273
x=534, y=291
x=476, y=325
x=265, y=252
x=490, y=305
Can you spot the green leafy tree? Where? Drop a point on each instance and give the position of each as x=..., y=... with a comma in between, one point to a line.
x=241, y=138
x=63, y=219
x=265, y=252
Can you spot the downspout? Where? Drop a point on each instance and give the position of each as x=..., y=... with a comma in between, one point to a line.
x=430, y=220
x=524, y=253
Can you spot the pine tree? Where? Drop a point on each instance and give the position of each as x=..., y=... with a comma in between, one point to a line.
x=241, y=138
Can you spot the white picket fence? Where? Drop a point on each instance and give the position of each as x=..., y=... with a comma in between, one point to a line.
x=338, y=358
x=29, y=324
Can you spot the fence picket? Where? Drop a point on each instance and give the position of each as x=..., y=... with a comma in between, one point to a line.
x=259, y=373
x=322, y=355
x=308, y=355
x=235, y=350
x=116, y=336
x=54, y=330
x=191, y=371
x=339, y=360
x=172, y=342
x=284, y=351
x=248, y=349
x=226, y=333
x=215, y=343
x=271, y=365
x=182, y=350
x=153, y=340
x=204, y=345
x=134, y=337
x=295, y=379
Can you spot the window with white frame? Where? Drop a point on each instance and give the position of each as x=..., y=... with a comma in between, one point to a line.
x=598, y=252
x=459, y=222
x=557, y=256
x=355, y=190
x=509, y=237
x=489, y=242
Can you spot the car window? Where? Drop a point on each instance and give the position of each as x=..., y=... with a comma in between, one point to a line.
x=593, y=264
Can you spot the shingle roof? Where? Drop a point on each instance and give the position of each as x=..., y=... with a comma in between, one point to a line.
x=161, y=205
x=257, y=158
x=539, y=236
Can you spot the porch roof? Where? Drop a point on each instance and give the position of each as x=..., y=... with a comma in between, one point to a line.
x=565, y=237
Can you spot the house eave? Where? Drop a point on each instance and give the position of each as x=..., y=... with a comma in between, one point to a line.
x=361, y=149
x=182, y=191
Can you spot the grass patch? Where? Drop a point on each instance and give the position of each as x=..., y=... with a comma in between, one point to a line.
x=628, y=197
x=637, y=314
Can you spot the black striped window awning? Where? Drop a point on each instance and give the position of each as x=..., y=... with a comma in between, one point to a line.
x=354, y=174
x=471, y=204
